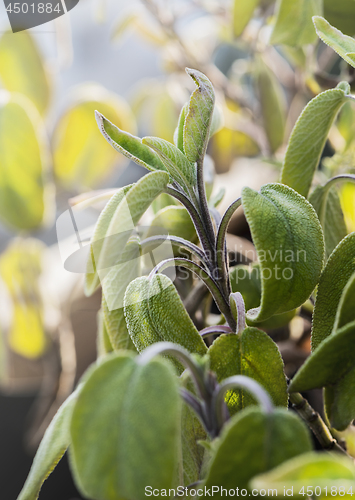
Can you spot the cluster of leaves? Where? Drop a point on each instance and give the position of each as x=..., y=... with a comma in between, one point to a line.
x=141, y=420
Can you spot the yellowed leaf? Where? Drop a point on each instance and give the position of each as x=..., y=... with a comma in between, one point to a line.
x=22, y=69
x=82, y=157
x=20, y=269
x=25, y=193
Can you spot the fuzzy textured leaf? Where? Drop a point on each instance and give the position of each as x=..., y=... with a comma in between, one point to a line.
x=294, y=22
x=92, y=280
x=332, y=366
x=326, y=203
x=247, y=281
x=175, y=162
x=140, y=406
x=328, y=363
x=109, y=243
x=192, y=432
x=175, y=221
x=53, y=446
x=179, y=131
x=115, y=324
x=199, y=117
x=309, y=136
x=346, y=311
x=337, y=272
x=310, y=469
x=129, y=145
x=255, y=355
x=343, y=45
x=253, y=442
x=289, y=270
x=154, y=313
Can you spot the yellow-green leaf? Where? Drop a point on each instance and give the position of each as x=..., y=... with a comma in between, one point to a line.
x=289, y=241
x=22, y=69
x=337, y=272
x=309, y=136
x=341, y=14
x=310, y=469
x=82, y=159
x=273, y=106
x=294, y=22
x=154, y=313
x=20, y=269
x=126, y=420
x=253, y=442
x=255, y=355
x=343, y=45
x=243, y=11
x=53, y=445
x=25, y=194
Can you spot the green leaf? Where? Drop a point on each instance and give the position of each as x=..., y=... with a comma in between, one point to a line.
x=342, y=44
x=175, y=221
x=92, y=280
x=216, y=125
x=339, y=400
x=337, y=272
x=20, y=272
x=192, y=433
x=179, y=131
x=247, y=281
x=326, y=202
x=341, y=14
x=81, y=158
x=116, y=328
x=243, y=11
x=346, y=312
x=103, y=342
x=53, y=446
x=154, y=313
x=328, y=363
x=199, y=117
x=26, y=196
x=22, y=69
x=309, y=136
x=294, y=22
x=114, y=281
x=175, y=162
x=253, y=442
x=332, y=366
x=288, y=238
x=162, y=201
x=126, y=419
x=255, y=355
x=311, y=469
x=129, y=145
x=114, y=228
x=272, y=102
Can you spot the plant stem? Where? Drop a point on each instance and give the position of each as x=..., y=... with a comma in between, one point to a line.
x=205, y=213
x=195, y=217
x=213, y=287
x=315, y=422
